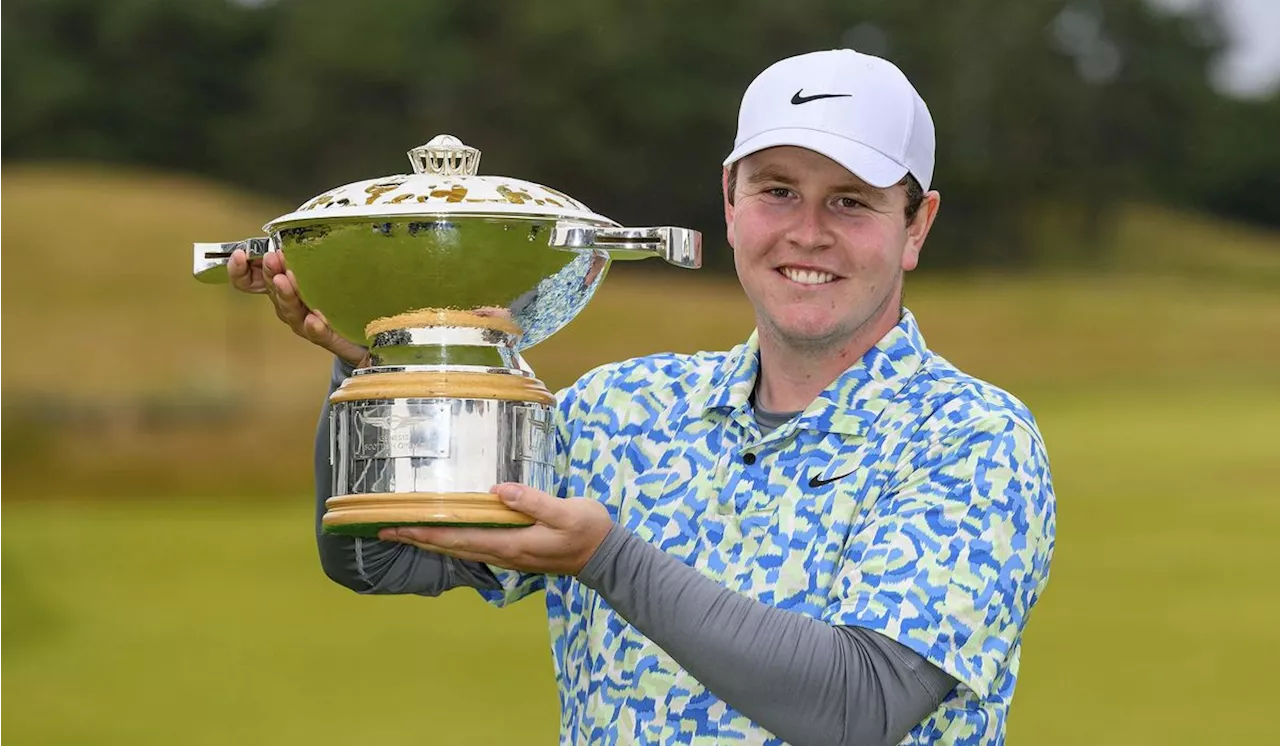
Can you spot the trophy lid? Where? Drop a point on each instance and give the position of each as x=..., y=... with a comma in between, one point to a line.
x=444, y=181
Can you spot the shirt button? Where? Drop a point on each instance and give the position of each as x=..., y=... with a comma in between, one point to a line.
x=748, y=458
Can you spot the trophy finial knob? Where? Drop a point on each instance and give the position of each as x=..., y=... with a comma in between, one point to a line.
x=445, y=155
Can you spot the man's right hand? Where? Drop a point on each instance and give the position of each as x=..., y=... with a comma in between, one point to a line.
x=270, y=277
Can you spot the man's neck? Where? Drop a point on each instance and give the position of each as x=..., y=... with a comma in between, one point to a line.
x=791, y=377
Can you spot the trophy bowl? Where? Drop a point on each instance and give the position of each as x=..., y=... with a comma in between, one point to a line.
x=445, y=276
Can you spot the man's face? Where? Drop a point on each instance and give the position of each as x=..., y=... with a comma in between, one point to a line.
x=819, y=252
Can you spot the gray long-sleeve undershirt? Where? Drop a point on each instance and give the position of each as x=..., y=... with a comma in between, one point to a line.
x=803, y=679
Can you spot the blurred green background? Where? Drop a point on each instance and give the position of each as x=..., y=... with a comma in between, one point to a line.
x=1108, y=249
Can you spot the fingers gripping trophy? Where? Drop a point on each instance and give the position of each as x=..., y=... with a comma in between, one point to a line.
x=446, y=277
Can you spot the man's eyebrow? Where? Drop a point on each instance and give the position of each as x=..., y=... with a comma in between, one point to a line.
x=866, y=191
x=770, y=174
x=855, y=186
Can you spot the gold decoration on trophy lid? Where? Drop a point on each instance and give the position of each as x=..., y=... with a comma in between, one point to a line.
x=445, y=180
x=445, y=155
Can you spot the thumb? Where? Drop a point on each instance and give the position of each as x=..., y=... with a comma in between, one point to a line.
x=536, y=504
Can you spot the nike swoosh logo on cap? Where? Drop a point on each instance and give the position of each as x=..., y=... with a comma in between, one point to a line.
x=798, y=98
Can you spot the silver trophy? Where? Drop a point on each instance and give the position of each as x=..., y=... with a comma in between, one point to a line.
x=446, y=276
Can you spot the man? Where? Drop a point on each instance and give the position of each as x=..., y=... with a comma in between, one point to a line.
x=825, y=535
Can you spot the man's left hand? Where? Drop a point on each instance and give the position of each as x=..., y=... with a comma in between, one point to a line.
x=566, y=534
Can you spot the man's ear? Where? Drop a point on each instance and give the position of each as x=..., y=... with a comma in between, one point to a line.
x=918, y=230
x=725, y=188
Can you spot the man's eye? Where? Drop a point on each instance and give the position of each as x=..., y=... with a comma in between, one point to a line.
x=849, y=203
x=779, y=192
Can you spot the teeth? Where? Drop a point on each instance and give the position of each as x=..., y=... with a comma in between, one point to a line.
x=807, y=276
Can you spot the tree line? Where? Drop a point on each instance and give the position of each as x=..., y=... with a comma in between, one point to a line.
x=1051, y=114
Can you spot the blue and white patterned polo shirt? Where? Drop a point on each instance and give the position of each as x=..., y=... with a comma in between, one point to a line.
x=908, y=498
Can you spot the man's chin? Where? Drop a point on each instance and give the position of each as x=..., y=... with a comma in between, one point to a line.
x=810, y=335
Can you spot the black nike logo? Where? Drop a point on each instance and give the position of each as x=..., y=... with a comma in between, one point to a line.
x=815, y=482
x=799, y=99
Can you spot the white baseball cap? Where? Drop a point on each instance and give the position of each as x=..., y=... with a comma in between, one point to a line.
x=858, y=110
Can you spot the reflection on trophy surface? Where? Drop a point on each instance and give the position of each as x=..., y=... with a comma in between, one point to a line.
x=446, y=276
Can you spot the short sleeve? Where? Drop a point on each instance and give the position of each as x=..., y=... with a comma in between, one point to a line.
x=570, y=408
x=953, y=556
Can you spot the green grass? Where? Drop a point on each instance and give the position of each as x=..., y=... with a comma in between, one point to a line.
x=161, y=619
x=207, y=621
x=1158, y=623
x=211, y=623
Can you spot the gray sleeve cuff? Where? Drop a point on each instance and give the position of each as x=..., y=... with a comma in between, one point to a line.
x=601, y=567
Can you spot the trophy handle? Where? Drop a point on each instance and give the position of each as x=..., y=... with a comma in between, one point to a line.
x=679, y=246
x=210, y=258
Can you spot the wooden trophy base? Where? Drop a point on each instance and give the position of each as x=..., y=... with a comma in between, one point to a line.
x=364, y=515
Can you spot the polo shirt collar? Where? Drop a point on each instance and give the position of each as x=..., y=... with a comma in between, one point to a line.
x=851, y=403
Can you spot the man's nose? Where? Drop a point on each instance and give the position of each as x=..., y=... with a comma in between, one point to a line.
x=811, y=229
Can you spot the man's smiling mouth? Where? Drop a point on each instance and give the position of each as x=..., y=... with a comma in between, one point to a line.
x=807, y=276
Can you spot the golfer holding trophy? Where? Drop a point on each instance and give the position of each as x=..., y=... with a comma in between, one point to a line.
x=825, y=535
